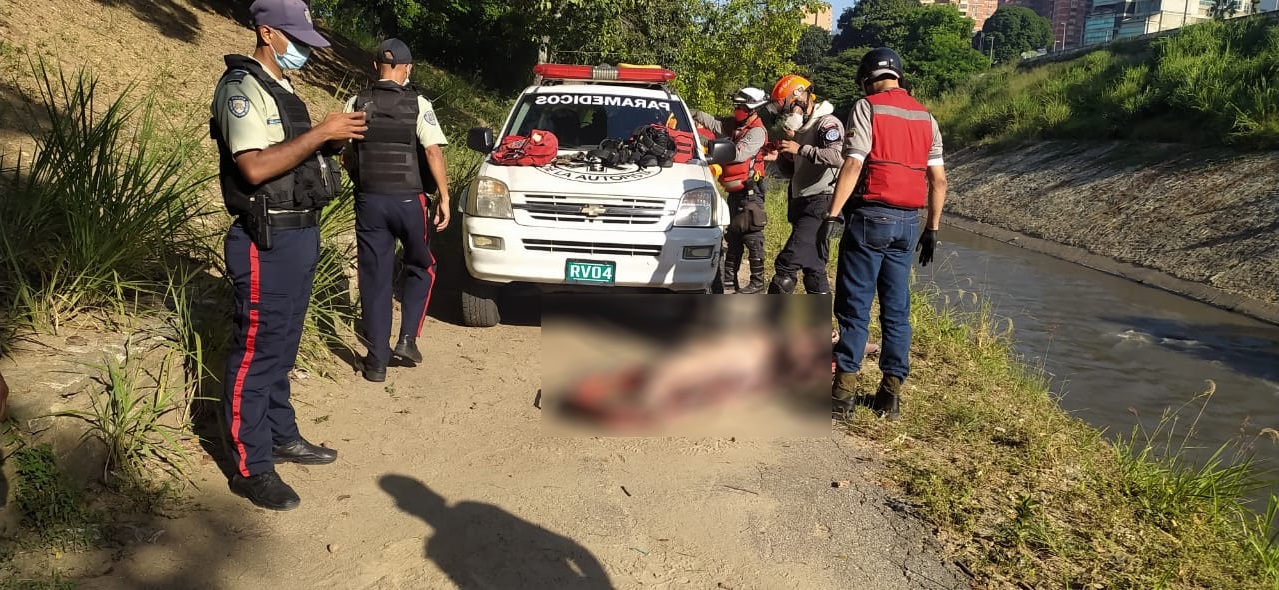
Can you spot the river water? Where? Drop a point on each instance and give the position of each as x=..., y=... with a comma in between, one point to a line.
x=1112, y=347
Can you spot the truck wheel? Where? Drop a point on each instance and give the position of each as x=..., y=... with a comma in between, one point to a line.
x=479, y=305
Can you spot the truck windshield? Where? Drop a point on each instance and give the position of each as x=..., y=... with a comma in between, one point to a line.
x=584, y=120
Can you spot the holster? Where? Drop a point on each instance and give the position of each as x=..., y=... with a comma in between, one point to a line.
x=257, y=223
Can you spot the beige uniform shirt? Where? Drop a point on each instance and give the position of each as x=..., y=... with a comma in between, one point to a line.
x=247, y=115
x=429, y=132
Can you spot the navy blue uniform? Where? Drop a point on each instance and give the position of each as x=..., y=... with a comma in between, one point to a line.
x=272, y=292
x=380, y=220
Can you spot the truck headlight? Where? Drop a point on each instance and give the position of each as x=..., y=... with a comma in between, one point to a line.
x=696, y=208
x=489, y=197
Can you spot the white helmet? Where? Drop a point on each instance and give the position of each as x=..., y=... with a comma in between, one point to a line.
x=751, y=98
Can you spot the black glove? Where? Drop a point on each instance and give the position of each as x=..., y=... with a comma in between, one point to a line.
x=927, y=244
x=830, y=229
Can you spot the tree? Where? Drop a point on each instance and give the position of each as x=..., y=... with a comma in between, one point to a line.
x=934, y=42
x=938, y=50
x=1014, y=30
x=1223, y=9
x=814, y=44
x=874, y=23
x=736, y=43
x=835, y=79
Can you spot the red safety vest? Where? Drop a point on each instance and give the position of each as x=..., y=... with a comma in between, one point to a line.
x=737, y=173
x=901, y=137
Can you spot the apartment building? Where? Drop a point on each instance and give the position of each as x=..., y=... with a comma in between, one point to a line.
x=824, y=18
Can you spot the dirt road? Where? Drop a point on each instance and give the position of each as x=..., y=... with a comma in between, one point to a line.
x=444, y=481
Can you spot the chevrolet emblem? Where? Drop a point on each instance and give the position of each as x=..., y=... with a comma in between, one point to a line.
x=593, y=210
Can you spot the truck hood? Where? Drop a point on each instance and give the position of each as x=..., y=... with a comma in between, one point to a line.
x=626, y=181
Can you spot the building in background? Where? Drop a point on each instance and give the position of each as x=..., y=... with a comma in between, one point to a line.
x=1043, y=8
x=823, y=18
x=1120, y=19
x=1068, y=17
x=978, y=10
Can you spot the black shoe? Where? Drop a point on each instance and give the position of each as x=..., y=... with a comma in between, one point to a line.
x=373, y=371
x=406, y=349
x=888, y=398
x=303, y=452
x=266, y=490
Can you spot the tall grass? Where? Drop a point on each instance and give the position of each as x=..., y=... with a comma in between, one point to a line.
x=88, y=222
x=1027, y=494
x=1208, y=83
x=134, y=417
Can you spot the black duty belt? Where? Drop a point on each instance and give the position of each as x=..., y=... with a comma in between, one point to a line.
x=858, y=203
x=296, y=219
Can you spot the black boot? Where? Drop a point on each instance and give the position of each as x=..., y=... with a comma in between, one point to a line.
x=888, y=398
x=757, y=278
x=302, y=452
x=406, y=349
x=266, y=490
x=373, y=370
x=732, y=262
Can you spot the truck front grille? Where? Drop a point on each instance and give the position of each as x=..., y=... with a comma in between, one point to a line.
x=608, y=211
x=568, y=247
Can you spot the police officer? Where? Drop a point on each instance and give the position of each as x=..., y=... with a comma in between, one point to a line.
x=810, y=159
x=395, y=167
x=276, y=172
x=743, y=178
x=892, y=169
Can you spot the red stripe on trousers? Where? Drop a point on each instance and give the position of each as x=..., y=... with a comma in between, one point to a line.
x=426, y=236
x=237, y=394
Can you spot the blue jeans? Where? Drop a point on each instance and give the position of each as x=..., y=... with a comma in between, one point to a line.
x=875, y=256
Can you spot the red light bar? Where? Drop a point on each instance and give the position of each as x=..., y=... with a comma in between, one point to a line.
x=604, y=73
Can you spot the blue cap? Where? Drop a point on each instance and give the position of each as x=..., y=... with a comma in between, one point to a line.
x=291, y=16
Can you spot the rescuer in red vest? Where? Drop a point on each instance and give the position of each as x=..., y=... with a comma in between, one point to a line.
x=742, y=179
x=892, y=169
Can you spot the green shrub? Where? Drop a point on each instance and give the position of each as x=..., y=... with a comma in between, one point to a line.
x=1206, y=83
x=88, y=222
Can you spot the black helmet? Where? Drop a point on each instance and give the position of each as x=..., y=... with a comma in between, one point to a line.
x=878, y=62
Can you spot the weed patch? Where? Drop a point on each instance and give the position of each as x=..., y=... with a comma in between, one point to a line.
x=50, y=505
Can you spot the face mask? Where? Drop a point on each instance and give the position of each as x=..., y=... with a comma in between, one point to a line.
x=740, y=115
x=293, y=58
x=793, y=122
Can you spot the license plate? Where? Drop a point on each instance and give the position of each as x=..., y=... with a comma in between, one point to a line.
x=590, y=272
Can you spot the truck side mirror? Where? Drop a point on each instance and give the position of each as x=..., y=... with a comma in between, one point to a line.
x=722, y=151
x=480, y=139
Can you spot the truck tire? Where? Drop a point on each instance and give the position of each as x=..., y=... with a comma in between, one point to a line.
x=479, y=304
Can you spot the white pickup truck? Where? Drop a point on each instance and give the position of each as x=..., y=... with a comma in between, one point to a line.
x=583, y=226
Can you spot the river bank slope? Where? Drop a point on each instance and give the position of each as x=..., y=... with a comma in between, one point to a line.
x=1205, y=221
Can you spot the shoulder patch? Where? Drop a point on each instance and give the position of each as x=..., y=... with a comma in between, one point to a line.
x=832, y=134
x=429, y=117
x=238, y=105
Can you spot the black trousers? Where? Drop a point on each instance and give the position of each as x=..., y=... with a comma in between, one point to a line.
x=272, y=292
x=380, y=220
x=803, y=251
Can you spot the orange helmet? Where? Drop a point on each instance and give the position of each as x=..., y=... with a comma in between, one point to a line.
x=788, y=87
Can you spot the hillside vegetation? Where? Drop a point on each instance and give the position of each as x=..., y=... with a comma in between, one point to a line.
x=1025, y=495
x=1211, y=83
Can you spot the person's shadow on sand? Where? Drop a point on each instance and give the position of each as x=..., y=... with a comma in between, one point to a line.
x=481, y=546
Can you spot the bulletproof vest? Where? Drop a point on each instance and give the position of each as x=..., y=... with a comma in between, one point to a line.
x=390, y=159
x=311, y=184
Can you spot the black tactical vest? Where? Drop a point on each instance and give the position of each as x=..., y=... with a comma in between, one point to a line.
x=310, y=185
x=390, y=159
